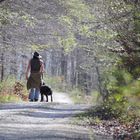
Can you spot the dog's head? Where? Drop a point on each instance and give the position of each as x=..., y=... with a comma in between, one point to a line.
x=43, y=83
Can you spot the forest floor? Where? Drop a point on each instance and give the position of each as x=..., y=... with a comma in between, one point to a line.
x=44, y=121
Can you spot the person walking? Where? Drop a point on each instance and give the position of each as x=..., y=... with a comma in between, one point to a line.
x=35, y=69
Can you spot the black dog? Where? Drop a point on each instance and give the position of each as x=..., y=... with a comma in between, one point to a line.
x=45, y=90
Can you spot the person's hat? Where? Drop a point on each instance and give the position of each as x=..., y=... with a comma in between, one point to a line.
x=36, y=54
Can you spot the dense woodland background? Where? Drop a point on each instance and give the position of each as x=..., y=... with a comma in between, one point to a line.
x=91, y=47
x=80, y=40
x=86, y=44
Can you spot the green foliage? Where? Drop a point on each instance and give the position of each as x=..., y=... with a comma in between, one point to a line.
x=56, y=82
x=94, y=98
x=78, y=10
x=132, y=92
x=9, y=82
x=106, y=34
x=66, y=20
x=5, y=98
x=7, y=88
x=37, y=47
x=137, y=22
x=85, y=31
x=114, y=108
x=116, y=79
x=124, y=93
x=111, y=109
x=3, y=16
x=68, y=43
x=14, y=18
x=77, y=96
x=136, y=135
x=27, y=19
x=121, y=83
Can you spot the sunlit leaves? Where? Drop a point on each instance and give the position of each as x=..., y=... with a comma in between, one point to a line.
x=78, y=10
x=28, y=20
x=68, y=43
x=14, y=18
x=37, y=47
x=106, y=34
x=66, y=20
x=137, y=22
x=4, y=16
x=85, y=31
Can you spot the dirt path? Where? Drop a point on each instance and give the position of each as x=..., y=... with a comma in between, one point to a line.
x=43, y=121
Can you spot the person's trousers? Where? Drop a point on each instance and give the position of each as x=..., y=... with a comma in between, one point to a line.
x=34, y=94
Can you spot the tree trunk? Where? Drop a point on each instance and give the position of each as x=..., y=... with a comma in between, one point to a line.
x=2, y=67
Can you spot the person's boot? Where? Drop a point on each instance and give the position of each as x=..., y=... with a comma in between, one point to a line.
x=31, y=100
x=36, y=100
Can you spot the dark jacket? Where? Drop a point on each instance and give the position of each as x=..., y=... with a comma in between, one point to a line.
x=34, y=80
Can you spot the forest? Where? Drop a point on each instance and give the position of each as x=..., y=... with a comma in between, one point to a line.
x=91, y=50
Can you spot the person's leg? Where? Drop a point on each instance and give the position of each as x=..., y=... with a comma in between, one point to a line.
x=32, y=94
x=37, y=91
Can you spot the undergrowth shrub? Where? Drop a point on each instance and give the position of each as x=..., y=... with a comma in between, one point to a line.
x=8, y=98
x=7, y=90
x=108, y=110
x=124, y=90
x=123, y=99
x=77, y=95
x=56, y=82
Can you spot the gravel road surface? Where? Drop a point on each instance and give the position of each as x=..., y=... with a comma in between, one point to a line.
x=43, y=121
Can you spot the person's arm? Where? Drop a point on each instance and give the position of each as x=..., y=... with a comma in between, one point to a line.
x=42, y=69
x=28, y=69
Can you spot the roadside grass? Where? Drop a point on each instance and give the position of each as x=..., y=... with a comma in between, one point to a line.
x=55, y=82
x=5, y=98
x=77, y=96
x=102, y=122
x=80, y=97
x=107, y=120
x=7, y=90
